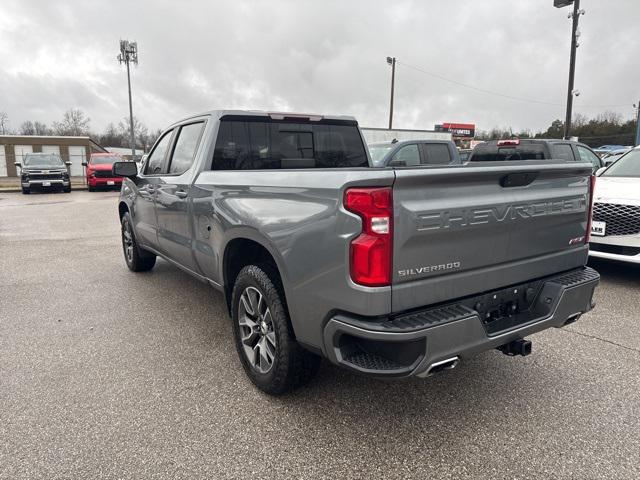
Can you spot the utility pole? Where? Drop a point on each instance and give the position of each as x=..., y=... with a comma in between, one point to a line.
x=572, y=60
x=637, y=107
x=392, y=61
x=129, y=54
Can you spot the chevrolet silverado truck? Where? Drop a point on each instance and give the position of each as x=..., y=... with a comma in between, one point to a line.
x=44, y=171
x=390, y=272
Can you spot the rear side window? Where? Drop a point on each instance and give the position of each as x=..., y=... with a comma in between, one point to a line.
x=407, y=156
x=156, y=158
x=493, y=153
x=267, y=144
x=185, y=149
x=563, y=152
x=436, y=153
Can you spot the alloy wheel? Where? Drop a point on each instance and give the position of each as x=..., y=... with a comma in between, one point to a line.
x=256, y=330
x=127, y=240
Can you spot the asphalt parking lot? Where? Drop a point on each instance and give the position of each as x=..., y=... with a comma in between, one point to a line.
x=105, y=373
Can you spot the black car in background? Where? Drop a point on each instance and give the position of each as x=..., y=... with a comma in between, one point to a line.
x=535, y=149
x=44, y=171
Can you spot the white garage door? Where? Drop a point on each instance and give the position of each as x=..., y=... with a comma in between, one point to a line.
x=21, y=151
x=77, y=155
x=3, y=162
x=51, y=149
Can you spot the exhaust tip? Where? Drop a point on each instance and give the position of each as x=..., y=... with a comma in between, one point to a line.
x=448, y=364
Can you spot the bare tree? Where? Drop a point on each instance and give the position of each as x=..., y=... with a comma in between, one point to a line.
x=111, y=137
x=140, y=131
x=4, y=121
x=73, y=123
x=34, y=128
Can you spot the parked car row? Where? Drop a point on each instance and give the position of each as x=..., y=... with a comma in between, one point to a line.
x=47, y=172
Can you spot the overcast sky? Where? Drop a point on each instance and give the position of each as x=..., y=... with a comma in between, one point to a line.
x=319, y=56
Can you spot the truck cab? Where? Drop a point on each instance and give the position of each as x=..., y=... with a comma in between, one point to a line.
x=413, y=153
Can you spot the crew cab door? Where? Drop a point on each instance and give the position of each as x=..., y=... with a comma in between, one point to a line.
x=175, y=230
x=144, y=212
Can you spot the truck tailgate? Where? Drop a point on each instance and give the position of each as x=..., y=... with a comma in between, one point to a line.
x=465, y=230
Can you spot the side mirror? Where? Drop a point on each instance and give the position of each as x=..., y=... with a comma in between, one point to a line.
x=600, y=170
x=17, y=164
x=125, y=169
x=84, y=164
x=68, y=164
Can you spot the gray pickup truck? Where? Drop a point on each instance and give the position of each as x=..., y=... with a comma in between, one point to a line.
x=391, y=272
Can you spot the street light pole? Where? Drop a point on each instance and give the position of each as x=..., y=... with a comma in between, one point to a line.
x=129, y=54
x=637, y=123
x=572, y=64
x=392, y=61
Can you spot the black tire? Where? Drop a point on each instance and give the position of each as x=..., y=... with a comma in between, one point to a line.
x=67, y=190
x=292, y=366
x=91, y=189
x=26, y=191
x=137, y=258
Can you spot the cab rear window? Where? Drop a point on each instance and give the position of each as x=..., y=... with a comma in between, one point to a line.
x=507, y=153
x=270, y=144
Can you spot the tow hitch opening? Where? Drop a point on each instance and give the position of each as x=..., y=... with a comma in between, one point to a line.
x=516, y=347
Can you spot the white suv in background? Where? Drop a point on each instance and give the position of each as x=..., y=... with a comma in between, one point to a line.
x=615, y=228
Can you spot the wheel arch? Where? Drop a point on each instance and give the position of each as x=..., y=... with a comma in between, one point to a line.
x=242, y=251
x=122, y=209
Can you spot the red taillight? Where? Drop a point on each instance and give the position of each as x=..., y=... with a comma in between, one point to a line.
x=592, y=188
x=371, y=251
x=504, y=143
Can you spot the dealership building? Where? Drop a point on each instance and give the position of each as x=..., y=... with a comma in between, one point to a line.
x=76, y=150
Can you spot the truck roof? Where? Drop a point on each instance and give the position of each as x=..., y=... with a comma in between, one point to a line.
x=272, y=114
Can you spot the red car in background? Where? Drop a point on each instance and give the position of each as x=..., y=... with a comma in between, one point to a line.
x=100, y=171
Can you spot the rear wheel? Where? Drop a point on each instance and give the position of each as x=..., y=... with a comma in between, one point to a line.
x=269, y=353
x=26, y=191
x=138, y=259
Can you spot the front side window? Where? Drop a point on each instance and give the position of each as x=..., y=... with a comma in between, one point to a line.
x=378, y=154
x=156, y=158
x=267, y=144
x=437, y=153
x=587, y=155
x=186, y=146
x=407, y=156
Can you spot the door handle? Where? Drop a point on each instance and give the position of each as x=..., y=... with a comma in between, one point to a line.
x=181, y=194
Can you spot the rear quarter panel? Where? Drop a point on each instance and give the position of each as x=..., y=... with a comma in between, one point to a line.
x=297, y=215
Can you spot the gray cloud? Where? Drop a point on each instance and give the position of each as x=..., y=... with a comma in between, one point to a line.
x=319, y=56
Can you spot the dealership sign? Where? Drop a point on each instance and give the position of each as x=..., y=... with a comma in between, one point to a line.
x=458, y=129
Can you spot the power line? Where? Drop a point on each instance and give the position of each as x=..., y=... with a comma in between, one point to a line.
x=498, y=94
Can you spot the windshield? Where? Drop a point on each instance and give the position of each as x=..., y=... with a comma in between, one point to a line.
x=378, y=153
x=627, y=166
x=104, y=160
x=51, y=160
